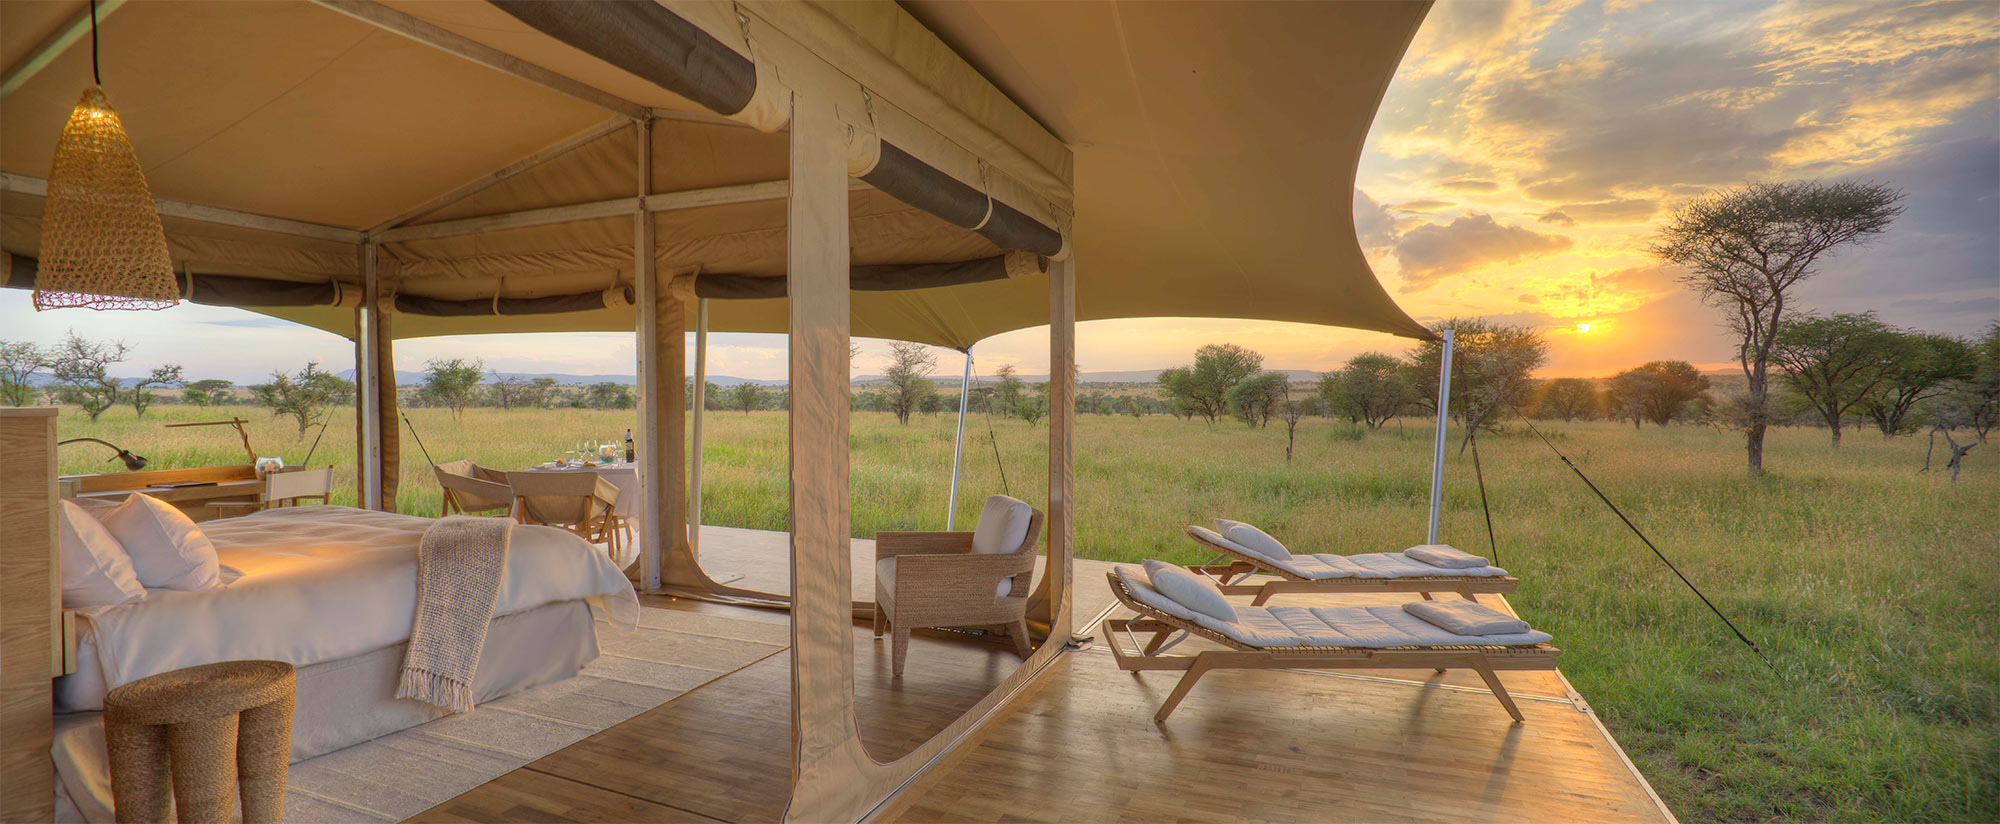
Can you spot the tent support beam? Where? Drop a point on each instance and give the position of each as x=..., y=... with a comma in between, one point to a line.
x=430, y=34
x=958, y=444
x=38, y=187
x=46, y=52
x=664, y=202
x=662, y=345
x=700, y=408
x=1443, y=417
x=568, y=145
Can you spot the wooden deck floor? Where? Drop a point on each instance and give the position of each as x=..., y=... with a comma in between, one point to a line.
x=1079, y=744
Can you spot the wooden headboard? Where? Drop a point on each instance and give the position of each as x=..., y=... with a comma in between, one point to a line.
x=30, y=607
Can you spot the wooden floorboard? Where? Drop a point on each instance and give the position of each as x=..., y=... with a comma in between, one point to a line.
x=1079, y=743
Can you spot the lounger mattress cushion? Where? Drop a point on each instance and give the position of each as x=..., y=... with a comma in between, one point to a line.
x=1378, y=627
x=1324, y=566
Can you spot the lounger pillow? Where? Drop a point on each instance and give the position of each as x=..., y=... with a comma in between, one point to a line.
x=1466, y=617
x=1189, y=590
x=1253, y=539
x=96, y=572
x=1444, y=556
x=168, y=551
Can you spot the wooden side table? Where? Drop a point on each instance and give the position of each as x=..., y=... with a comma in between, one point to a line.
x=206, y=728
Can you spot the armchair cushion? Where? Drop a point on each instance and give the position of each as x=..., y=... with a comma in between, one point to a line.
x=1003, y=525
x=885, y=582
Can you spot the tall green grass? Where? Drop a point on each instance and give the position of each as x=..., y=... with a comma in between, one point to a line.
x=1872, y=589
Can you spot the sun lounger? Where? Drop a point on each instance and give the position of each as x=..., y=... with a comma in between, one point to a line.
x=1371, y=572
x=1327, y=638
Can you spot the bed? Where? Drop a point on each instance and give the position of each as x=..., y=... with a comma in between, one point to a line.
x=332, y=590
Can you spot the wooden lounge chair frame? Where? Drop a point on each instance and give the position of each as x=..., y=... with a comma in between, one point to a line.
x=1488, y=661
x=1228, y=577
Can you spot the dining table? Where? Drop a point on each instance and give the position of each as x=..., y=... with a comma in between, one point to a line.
x=622, y=474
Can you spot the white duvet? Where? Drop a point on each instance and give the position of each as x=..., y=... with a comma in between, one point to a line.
x=314, y=584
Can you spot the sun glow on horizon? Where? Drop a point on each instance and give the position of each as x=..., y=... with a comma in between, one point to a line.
x=1583, y=328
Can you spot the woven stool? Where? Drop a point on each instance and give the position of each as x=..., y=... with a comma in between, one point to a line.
x=208, y=727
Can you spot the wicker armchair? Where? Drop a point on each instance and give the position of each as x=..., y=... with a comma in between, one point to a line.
x=470, y=488
x=956, y=579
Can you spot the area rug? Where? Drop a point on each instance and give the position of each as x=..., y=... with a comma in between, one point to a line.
x=397, y=776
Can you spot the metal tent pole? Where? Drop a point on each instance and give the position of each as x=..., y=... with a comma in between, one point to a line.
x=1443, y=415
x=958, y=445
x=700, y=402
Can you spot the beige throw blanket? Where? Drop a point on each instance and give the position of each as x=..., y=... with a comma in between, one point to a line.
x=459, y=565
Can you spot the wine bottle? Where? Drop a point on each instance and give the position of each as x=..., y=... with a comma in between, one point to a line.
x=631, y=454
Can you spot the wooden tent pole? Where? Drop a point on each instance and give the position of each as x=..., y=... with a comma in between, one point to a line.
x=662, y=349
x=1046, y=606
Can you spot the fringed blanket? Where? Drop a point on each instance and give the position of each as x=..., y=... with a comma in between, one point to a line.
x=459, y=565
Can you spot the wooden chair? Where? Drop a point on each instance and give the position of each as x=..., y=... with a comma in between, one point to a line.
x=472, y=489
x=581, y=502
x=285, y=487
x=957, y=579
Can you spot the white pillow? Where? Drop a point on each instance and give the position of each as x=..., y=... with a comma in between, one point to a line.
x=167, y=549
x=1003, y=525
x=1189, y=590
x=96, y=572
x=1254, y=539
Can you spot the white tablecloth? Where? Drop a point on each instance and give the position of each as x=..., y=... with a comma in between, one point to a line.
x=623, y=475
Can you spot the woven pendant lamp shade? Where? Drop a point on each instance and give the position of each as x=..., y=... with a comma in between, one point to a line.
x=102, y=245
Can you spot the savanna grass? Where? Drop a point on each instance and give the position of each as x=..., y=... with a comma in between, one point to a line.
x=1870, y=588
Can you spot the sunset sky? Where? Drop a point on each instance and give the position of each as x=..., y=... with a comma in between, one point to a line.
x=1524, y=154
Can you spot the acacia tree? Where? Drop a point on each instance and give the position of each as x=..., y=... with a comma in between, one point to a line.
x=1835, y=362
x=745, y=396
x=1977, y=399
x=1491, y=368
x=1291, y=411
x=1006, y=393
x=449, y=383
x=208, y=391
x=304, y=396
x=1203, y=388
x=1257, y=398
x=82, y=372
x=909, y=376
x=1674, y=385
x=167, y=375
x=1625, y=397
x=19, y=361
x=1921, y=366
x=1744, y=250
x=508, y=391
x=1368, y=390
x=1569, y=399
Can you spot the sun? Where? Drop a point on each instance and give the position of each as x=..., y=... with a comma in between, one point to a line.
x=1583, y=328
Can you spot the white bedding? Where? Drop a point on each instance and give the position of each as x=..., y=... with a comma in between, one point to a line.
x=308, y=585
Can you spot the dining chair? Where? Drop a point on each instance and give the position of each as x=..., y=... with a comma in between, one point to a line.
x=473, y=489
x=284, y=487
x=582, y=502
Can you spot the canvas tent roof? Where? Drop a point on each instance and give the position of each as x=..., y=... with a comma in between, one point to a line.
x=1202, y=158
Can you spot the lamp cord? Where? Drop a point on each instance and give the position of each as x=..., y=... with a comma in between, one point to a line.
x=95, y=77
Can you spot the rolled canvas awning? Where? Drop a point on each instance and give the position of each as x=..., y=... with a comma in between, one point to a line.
x=1201, y=156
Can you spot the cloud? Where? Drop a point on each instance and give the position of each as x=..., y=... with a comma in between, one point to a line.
x=1619, y=210
x=1422, y=205
x=1468, y=185
x=1433, y=250
x=1530, y=298
x=1373, y=225
x=1557, y=218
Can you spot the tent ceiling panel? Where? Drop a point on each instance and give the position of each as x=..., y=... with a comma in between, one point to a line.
x=1215, y=145
x=246, y=106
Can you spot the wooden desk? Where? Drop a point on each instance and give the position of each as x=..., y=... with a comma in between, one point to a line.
x=220, y=483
